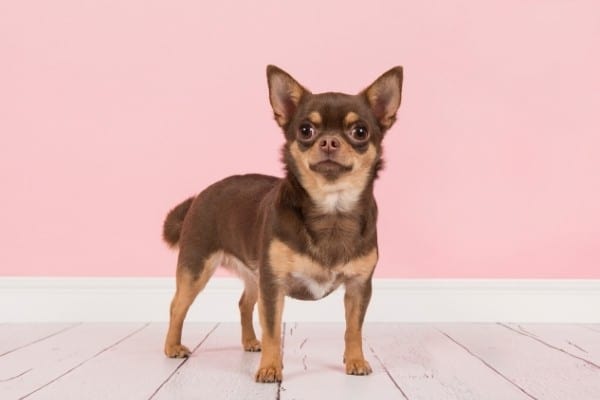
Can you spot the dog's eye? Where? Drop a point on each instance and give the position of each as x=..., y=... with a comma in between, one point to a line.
x=306, y=132
x=359, y=133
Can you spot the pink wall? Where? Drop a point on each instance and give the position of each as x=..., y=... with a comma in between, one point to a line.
x=113, y=111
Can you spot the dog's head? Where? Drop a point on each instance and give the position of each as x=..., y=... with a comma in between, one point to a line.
x=333, y=140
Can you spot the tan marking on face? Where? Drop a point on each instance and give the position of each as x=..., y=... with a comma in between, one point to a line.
x=351, y=118
x=315, y=118
x=343, y=193
x=286, y=262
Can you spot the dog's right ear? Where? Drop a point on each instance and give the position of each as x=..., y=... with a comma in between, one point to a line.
x=284, y=93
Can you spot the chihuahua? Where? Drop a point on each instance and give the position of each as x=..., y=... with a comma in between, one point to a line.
x=302, y=235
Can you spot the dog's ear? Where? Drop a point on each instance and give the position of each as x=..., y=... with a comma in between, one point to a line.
x=384, y=96
x=284, y=93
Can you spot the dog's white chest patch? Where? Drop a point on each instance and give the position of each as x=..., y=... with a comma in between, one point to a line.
x=306, y=279
x=318, y=289
x=340, y=200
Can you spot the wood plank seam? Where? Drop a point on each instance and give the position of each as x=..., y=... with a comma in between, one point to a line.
x=16, y=376
x=283, y=330
x=86, y=360
x=387, y=372
x=41, y=339
x=488, y=365
x=532, y=336
x=183, y=362
x=591, y=329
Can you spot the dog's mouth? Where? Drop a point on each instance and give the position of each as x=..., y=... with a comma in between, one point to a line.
x=330, y=169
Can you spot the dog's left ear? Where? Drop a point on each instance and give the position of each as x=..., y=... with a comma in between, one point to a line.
x=284, y=93
x=384, y=96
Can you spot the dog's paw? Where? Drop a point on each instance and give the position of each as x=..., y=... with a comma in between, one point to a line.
x=252, y=345
x=177, y=351
x=358, y=367
x=269, y=374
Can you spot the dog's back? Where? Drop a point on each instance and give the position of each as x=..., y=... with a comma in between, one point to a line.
x=205, y=223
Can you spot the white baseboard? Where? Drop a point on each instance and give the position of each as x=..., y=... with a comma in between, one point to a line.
x=24, y=299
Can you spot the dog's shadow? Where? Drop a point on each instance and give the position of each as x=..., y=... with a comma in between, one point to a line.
x=229, y=359
x=232, y=359
x=222, y=349
x=316, y=368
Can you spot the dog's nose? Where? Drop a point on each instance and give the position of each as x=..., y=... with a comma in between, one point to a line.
x=329, y=144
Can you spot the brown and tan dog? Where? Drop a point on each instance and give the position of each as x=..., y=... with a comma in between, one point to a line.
x=302, y=235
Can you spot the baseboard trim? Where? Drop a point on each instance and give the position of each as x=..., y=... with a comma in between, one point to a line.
x=26, y=299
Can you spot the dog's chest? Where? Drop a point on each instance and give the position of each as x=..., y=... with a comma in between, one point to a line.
x=333, y=239
x=303, y=286
x=307, y=279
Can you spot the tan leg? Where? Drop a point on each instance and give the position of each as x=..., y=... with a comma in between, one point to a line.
x=356, y=301
x=270, y=311
x=247, y=302
x=188, y=287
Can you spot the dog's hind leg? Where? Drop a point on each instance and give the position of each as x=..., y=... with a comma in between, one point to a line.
x=189, y=284
x=247, y=303
x=247, y=300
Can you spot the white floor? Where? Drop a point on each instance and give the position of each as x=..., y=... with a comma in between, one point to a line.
x=410, y=361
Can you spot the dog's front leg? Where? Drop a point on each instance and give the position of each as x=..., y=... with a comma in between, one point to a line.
x=270, y=310
x=356, y=300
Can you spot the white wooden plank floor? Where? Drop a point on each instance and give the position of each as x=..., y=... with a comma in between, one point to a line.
x=410, y=361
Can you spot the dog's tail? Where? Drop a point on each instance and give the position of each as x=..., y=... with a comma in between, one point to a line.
x=174, y=221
